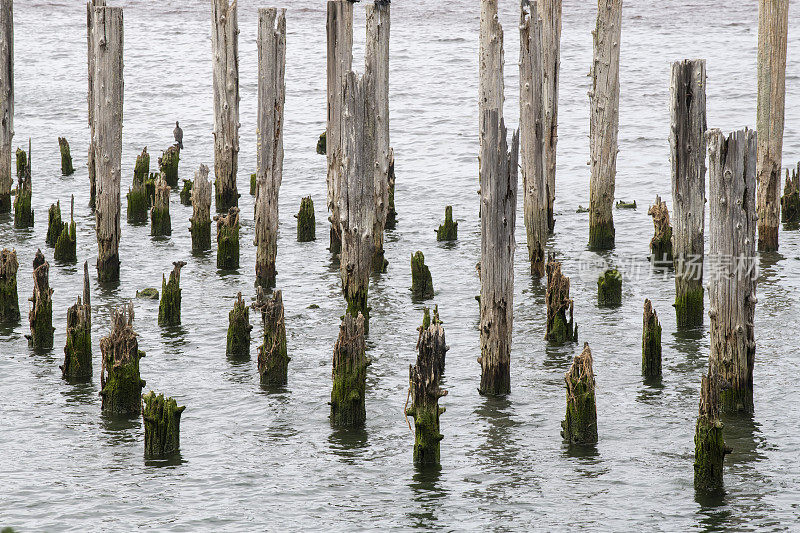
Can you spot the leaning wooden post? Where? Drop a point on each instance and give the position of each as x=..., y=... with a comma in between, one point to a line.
x=340, y=62
x=9, y=299
x=688, y=155
x=78, y=350
x=239, y=329
x=421, y=280
x=661, y=243
x=66, y=157
x=709, y=445
x=560, y=329
x=580, y=423
x=120, y=383
x=41, y=313
x=349, y=374
x=225, y=59
x=169, y=308
x=271, y=98
x=732, y=243
x=91, y=57
x=550, y=13
x=532, y=137
x=604, y=123
x=6, y=101
x=651, y=342
x=162, y=419
x=773, y=27
x=273, y=358
x=108, y=95
x=200, y=226
x=228, y=239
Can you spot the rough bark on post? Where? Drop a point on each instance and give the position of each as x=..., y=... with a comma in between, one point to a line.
x=550, y=13
x=91, y=58
x=580, y=424
x=449, y=230
x=168, y=165
x=162, y=419
x=239, y=329
x=340, y=61
x=732, y=291
x=651, y=342
x=6, y=101
x=661, y=243
x=273, y=359
x=23, y=211
x=108, y=95
x=688, y=156
x=498, y=217
x=66, y=157
x=604, y=123
x=160, y=221
x=490, y=65
x=709, y=445
x=225, y=58
x=271, y=98
x=138, y=201
x=421, y=281
x=609, y=288
x=306, y=222
x=66, y=244
x=773, y=27
x=120, y=382
x=349, y=374
x=78, y=350
x=425, y=392
x=186, y=193
x=9, y=299
x=228, y=239
x=54, y=224
x=40, y=316
x=559, y=328
x=790, y=201
x=200, y=226
x=169, y=308
x=532, y=137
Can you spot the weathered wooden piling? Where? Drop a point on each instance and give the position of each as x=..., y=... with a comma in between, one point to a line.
x=78, y=350
x=273, y=358
x=40, y=316
x=609, y=288
x=160, y=221
x=162, y=420
x=580, y=424
x=449, y=230
x=709, y=445
x=186, y=192
x=271, y=98
x=651, y=342
x=425, y=392
x=253, y=182
x=604, y=123
x=9, y=299
x=92, y=60
x=169, y=308
x=532, y=137
x=138, y=201
x=66, y=157
x=23, y=211
x=168, y=165
x=6, y=102
x=349, y=374
x=688, y=156
x=790, y=201
x=200, y=226
x=732, y=243
x=228, y=239
x=225, y=58
x=391, y=212
x=54, y=223
x=66, y=248
x=239, y=329
x=322, y=147
x=550, y=13
x=108, y=95
x=773, y=27
x=661, y=243
x=120, y=382
x=559, y=329
x=421, y=281
x=306, y=222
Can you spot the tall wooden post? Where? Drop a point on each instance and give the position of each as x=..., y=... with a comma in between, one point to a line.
x=604, y=123
x=532, y=137
x=271, y=98
x=732, y=284
x=773, y=27
x=90, y=6
x=688, y=155
x=550, y=14
x=225, y=58
x=340, y=62
x=6, y=101
x=108, y=94
x=490, y=65
x=200, y=223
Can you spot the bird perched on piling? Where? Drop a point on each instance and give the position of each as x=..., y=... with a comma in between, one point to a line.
x=178, y=133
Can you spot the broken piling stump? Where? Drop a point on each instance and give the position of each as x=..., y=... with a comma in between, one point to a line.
x=228, y=239
x=138, y=200
x=559, y=329
x=273, y=359
x=40, y=316
x=169, y=308
x=168, y=165
x=23, y=212
x=580, y=424
x=709, y=445
x=322, y=148
x=449, y=230
x=66, y=158
x=651, y=342
x=6, y=104
x=9, y=299
x=186, y=193
x=67, y=242
x=661, y=243
x=349, y=373
x=162, y=421
x=609, y=288
x=239, y=329
x=391, y=213
x=120, y=382
x=253, y=180
x=160, y=221
x=421, y=281
x=78, y=350
x=200, y=226
x=306, y=222
x=790, y=201
x=54, y=224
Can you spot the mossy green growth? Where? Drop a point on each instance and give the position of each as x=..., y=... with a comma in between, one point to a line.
x=306, y=223
x=138, y=204
x=253, y=182
x=790, y=201
x=239, y=329
x=421, y=281
x=661, y=246
x=66, y=157
x=733, y=399
x=149, y=293
x=9, y=298
x=601, y=236
x=322, y=143
x=273, y=358
x=449, y=230
x=78, y=350
x=168, y=164
x=348, y=408
x=201, y=235
x=23, y=165
x=357, y=303
x=160, y=221
x=54, y=224
x=40, y=316
x=391, y=213
x=622, y=204
x=186, y=192
x=23, y=213
x=651, y=343
x=169, y=308
x=5, y=203
x=150, y=189
x=67, y=243
x=689, y=308
x=162, y=421
x=709, y=454
x=120, y=382
x=562, y=332
x=609, y=288
x=580, y=423
x=228, y=240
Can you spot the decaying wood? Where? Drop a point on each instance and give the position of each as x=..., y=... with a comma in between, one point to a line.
x=709, y=446
x=66, y=157
x=580, y=423
x=550, y=13
x=560, y=329
x=239, y=329
x=790, y=201
x=160, y=221
x=169, y=308
x=228, y=239
x=90, y=7
x=349, y=374
x=78, y=350
x=162, y=419
x=40, y=316
x=273, y=358
x=120, y=382
x=201, y=211
x=490, y=64
x=661, y=243
x=9, y=299
x=6, y=102
x=651, y=342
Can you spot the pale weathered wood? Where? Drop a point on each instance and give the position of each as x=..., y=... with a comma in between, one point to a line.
x=604, y=123
x=733, y=262
x=92, y=132
x=6, y=101
x=773, y=27
x=550, y=14
x=532, y=137
x=688, y=156
x=108, y=94
x=340, y=62
x=271, y=98
x=225, y=55
x=200, y=227
x=490, y=62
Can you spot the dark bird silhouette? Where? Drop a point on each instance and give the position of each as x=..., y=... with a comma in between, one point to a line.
x=178, y=133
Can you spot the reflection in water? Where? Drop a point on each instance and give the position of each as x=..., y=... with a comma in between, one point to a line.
x=651, y=391
x=687, y=341
x=349, y=444
x=171, y=461
x=109, y=290
x=743, y=435
x=499, y=449
x=174, y=338
x=768, y=261
x=427, y=495
x=81, y=393
x=121, y=429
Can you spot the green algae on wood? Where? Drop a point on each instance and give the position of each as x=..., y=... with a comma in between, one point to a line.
x=67, y=242
x=421, y=281
x=253, y=182
x=239, y=329
x=322, y=144
x=709, y=445
x=391, y=213
x=651, y=342
x=689, y=307
x=162, y=420
x=138, y=196
x=559, y=329
x=273, y=359
x=349, y=374
x=160, y=221
x=66, y=158
x=580, y=424
x=54, y=224
x=200, y=223
x=601, y=235
x=169, y=308
x=186, y=192
x=790, y=201
x=168, y=165
x=661, y=243
x=622, y=204
x=78, y=349
x=40, y=316
x=449, y=230
x=120, y=382
x=23, y=211
x=149, y=293
x=306, y=222
x=9, y=299
x=228, y=239
x=609, y=288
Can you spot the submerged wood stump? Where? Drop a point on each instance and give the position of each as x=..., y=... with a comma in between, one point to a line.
x=66, y=158
x=120, y=383
x=168, y=165
x=651, y=342
x=169, y=308
x=559, y=329
x=78, y=350
x=186, y=193
x=6, y=103
x=228, y=239
x=449, y=230
x=138, y=201
x=160, y=221
x=425, y=391
x=421, y=281
x=23, y=211
x=273, y=359
x=40, y=316
x=709, y=445
x=349, y=374
x=54, y=224
x=609, y=288
x=661, y=243
x=580, y=424
x=322, y=148
x=306, y=223
x=9, y=299
x=67, y=241
x=790, y=201
x=239, y=329
x=162, y=421
x=200, y=227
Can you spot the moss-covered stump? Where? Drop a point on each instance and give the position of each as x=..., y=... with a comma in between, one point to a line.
x=560, y=329
x=790, y=201
x=139, y=197
x=622, y=204
x=160, y=221
x=601, y=234
x=306, y=223
x=200, y=223
x=168, y=165
x=120, y=382
x=67, y=243
x=228, y=239
x=149, y=293
x=349, y=374
x=273, y=360
x=23, y=212
x=5, y=202
x=449, y=230
x=580, y=424
x=609, y=288
x=709, y=445
x=661, y=243
x=40, y=316
x=239, y=329
x=253, y=182
x=54, y=224
x=150, y=188
x=651, y=342
x=169, y=308
x=425, y=392
x=9, y=299
x=78, y=350
x=322, y=144
x=391, y=213
x=421, y=281
x=335, y=246
x=689, y=308
x=66, y=158
x=162, y=426
x=186, y=192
